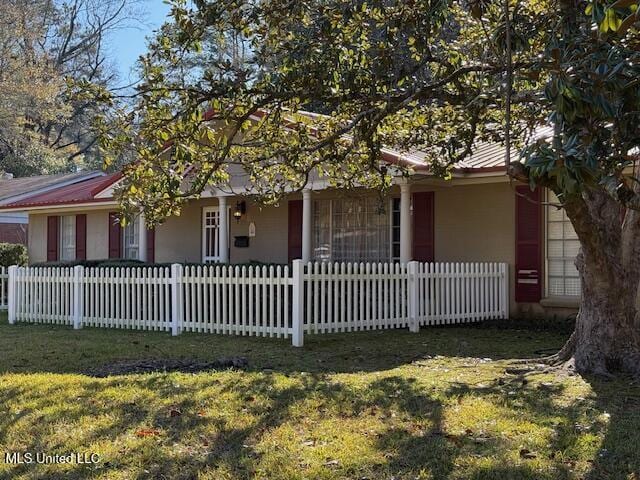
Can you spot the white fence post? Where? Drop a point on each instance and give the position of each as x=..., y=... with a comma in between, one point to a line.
x=11, y=293
x=78, y=294
x=176, y=298
x=413, y=295
x=297, y=318
x=504, y=269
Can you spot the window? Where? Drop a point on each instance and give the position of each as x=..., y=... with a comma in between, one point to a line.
x=395, y=229
x=562, y=247
x=131, y=239
x=67, y=237
x=351, y=229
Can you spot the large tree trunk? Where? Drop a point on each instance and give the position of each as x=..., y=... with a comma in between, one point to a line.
x=606, y=337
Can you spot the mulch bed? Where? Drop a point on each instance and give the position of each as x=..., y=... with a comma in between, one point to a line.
x=127, y=367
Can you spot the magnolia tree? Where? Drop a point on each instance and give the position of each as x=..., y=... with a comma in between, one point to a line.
x=432, y=75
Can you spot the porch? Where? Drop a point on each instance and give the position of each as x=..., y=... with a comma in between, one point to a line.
x=422, y=221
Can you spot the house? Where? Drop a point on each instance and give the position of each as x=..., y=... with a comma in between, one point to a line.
x=477, y=216
x=14, y=224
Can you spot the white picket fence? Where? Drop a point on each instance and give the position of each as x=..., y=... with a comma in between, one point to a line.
x=272, y=301
x=4, y=282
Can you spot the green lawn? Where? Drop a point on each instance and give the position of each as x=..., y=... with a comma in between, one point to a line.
x=443, y=403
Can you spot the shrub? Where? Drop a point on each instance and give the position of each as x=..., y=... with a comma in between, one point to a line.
x=124, y=263
x=110, y=262
x=13, y=254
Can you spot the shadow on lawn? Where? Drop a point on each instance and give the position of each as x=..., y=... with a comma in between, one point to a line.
x=238, y=451
x=238, y=442
x=574, y=424
x=619, y=456
x=61, y=350
x=257, y=410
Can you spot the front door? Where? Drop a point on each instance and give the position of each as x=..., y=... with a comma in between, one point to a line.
x=211, y=234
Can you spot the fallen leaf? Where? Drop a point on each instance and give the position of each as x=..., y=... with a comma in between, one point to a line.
x=147, y=432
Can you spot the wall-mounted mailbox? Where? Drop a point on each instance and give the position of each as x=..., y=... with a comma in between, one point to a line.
x=241, y=241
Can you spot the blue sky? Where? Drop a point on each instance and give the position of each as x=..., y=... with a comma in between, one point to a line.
x=127, y=44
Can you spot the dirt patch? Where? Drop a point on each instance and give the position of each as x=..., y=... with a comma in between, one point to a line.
x=127, y=367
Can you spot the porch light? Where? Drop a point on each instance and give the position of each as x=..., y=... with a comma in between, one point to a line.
x=241, y=209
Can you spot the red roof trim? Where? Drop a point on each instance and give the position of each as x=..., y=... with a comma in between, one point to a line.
x=23, y=206
x=107, y=183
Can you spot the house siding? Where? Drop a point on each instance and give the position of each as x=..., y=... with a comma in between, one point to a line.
x=97, y=234
x=13, y=233
x=179, y=239
x=475, y=223
x=271, y=241
x=37, y=244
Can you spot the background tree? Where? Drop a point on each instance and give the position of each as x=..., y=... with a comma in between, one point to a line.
x=431, y=75
x=54, y=75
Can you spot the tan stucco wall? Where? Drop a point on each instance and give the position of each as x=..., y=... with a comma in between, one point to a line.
x=475, y=223
x=97, y=235
x=270, y=242
x=37, y=244
x=179, y=239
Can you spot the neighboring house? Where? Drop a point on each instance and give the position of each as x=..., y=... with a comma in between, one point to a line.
x=477, y=216
x=14, y=227
x=14, y=224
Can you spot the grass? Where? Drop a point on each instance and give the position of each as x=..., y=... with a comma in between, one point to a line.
x=439, y=404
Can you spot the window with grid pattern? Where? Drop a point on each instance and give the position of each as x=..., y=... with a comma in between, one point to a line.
x=131, y=239
x=351, y=229
x=562, y=247
x=68, y=237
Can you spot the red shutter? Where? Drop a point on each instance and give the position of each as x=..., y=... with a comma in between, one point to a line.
x=115, y=235
x=528, y=244
x=295, y=229
x=81, y=237
x=151, y=245
x=423, y=227
x=52, y=238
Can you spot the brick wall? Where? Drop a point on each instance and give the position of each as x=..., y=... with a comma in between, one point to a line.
x=13, y=233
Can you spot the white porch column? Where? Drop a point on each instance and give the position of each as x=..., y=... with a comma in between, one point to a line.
x=306, y=225
x=405, y=222
x=223, y=229
x=142, y=238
